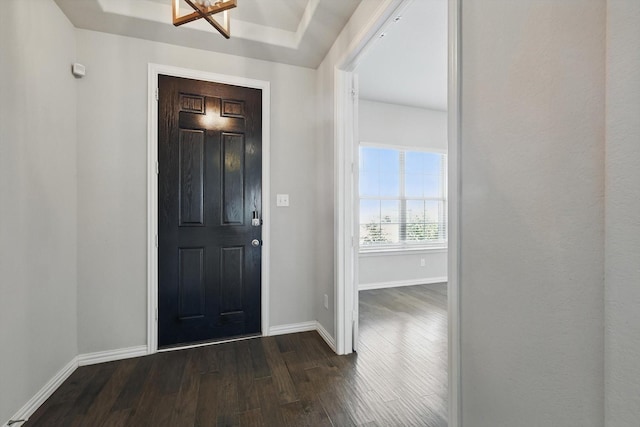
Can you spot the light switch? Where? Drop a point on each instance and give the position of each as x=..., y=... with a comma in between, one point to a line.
x=282, y=200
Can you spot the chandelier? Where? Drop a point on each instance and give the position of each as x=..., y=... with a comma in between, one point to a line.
x=206, y=9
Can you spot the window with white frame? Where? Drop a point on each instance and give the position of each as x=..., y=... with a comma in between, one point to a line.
x=403, y=198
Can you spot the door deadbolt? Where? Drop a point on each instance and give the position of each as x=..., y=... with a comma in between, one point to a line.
x=255, y=243
x=255, y=219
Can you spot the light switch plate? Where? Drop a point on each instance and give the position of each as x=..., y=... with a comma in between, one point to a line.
x=282, y=200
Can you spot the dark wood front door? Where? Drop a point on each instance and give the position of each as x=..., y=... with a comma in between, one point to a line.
x=209, y=205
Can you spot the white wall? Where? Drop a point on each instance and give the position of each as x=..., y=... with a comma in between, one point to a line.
x=622, y=225
x=112, y=124
x=400, y=125
x=532, y=213
x=533, y=328
x=402, y=268
x=37, y=199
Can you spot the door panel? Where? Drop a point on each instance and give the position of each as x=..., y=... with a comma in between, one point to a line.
x=191, y=175
x=209, y=188
x=191, y=285
x=232, y=178
x=231, y=267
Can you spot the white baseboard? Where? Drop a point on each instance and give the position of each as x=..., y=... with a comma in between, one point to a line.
x=326, y=336
x=44, y=393
x=304, y=327
x=111, y=355
x=81, y=360
x=292, y=328
x=125, y=353
x=399, y=283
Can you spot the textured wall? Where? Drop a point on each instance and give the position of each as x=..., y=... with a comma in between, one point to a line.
x=622, y=226
x=532, y=213
x=37, y=199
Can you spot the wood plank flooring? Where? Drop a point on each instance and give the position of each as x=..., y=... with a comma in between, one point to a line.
x=397, y=378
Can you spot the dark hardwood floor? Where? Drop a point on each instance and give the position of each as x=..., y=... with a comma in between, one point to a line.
x=397, y=378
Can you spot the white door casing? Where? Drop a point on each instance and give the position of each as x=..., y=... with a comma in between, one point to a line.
x=152, y=187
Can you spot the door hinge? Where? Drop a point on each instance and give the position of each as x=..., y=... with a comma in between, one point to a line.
x=156, y=240
x=157, y=168
x=156, y=314
x=157, y=94
x=354, y=93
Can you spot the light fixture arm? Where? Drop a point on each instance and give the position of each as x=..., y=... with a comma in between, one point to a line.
x=206, y=12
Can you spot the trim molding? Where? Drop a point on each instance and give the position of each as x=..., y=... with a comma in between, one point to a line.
x=345, y=155
x=313, y=325
x=293, y=328
x=399, y=283
x=152, y=187
x=81, y=360
x=400, y=252
x=326, y=336
x=45, y=392
x=111, y=355
x=454, y=270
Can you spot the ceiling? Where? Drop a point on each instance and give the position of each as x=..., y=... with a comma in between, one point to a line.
x=408, y=65
x=296, y=32
x=279, y=14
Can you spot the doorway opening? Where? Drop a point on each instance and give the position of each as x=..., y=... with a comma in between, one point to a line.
x=348, y=201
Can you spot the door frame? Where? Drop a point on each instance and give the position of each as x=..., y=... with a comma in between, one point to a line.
x=152, y=187
x=346, y=209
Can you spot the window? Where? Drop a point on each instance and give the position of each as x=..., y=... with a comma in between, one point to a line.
x=403, y=198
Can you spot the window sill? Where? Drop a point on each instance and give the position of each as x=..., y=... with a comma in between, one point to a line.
x=373, y=252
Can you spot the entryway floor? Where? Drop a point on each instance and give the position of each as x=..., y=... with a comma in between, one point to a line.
x=397, y=378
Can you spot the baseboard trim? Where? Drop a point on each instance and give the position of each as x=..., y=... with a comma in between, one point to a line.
x=304, y=327
x=111, y=355
x=81, y=360
x=292, y=328
x=45, y=392
x=399, y=283
x=326, y=336
x=126, y=353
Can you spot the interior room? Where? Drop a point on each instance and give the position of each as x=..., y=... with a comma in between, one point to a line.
x=543, y=234
x=402, y=177
x=402, y=104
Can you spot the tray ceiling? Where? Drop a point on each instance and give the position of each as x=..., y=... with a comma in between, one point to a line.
x=297, y=32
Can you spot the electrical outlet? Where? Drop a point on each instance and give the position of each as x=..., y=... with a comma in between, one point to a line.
x=422, y=262
x=282, y=200
x=326, y=301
